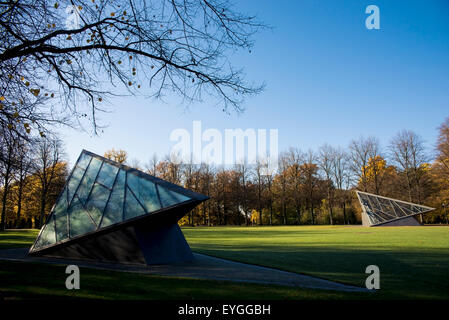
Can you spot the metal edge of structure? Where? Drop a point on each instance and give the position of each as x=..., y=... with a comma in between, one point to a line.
x=365, y=215
x=159, y=217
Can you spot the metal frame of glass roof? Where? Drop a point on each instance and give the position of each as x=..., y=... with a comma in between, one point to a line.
x=101, y=195
x=381, y=210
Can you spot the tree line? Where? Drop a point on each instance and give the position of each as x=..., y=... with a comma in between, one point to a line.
x=33, y=172
x=60, y=61
x=55, y=74
x=313, y=187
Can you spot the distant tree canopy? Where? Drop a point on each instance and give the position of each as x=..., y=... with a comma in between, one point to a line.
x=120, y=156
x=307, y=188
x=443, y=148
x=32, y=174
x=60, y=59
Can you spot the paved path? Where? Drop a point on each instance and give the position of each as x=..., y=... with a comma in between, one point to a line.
x=203, y=267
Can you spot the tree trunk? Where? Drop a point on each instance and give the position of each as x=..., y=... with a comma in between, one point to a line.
x=330, y=206
x=260, y=205
x=311, y=207
x=218, y=213
x=225, y=214
x=19, y=204
x=376, y=182
x=409, y=186
x=298, y=213
x=5, y=196
x=4, y=199
x=209, y=210
x=284, y=211
x=42, y=216
x=191, y=218
x=313, y=214
x=418, y=191
x=204, y=214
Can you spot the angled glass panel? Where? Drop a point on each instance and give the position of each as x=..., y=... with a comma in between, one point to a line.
x=107, y=175
x=169, y=198
x=376, y=218
x=74, y=181
x=398, y=211
x=88, y=180
x=386, y=205
x=374, y=204
x=381, y=209
x=407, y=208
x=132, y=207
x=99, y=194
x=365, y=201
x=97, y=201
x=372, y=219
x=114, y=209
x=83, y=162
x=47, y=236
x=145, y=191
x=60, y=215
x=80, y=221
x=417, y=209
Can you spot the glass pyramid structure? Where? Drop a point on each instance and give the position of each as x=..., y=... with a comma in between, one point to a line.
x=378, y=210
x=102, y=196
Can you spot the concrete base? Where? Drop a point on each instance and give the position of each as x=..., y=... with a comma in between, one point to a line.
x=141, y=244
x=163, y=245
x=365, y=220
x=409, y=221
x=202, y=267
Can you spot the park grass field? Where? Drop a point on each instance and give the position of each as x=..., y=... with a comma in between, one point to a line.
x=17, y=238
x=413, y=261
x=21, y=280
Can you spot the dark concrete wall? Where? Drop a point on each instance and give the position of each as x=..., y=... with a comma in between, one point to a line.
x=140, y=244
x=118, y=246
x=162, y=245
x=155, y=239
x=409, y=221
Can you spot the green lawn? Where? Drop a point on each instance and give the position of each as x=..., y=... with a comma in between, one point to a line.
x=20, y=280
x=17, y=238
x=413, y=261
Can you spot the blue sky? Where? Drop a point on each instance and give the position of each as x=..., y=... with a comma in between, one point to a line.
x=328, y=79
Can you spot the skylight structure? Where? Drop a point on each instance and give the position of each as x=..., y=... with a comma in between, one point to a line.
x=111, y=212
x=378, y=210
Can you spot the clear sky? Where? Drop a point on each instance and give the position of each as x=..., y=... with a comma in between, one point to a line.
x=328, y=79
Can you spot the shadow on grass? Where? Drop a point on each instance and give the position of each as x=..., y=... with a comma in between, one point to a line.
x=17, y=238
x=405, y=274
x=36, y=281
